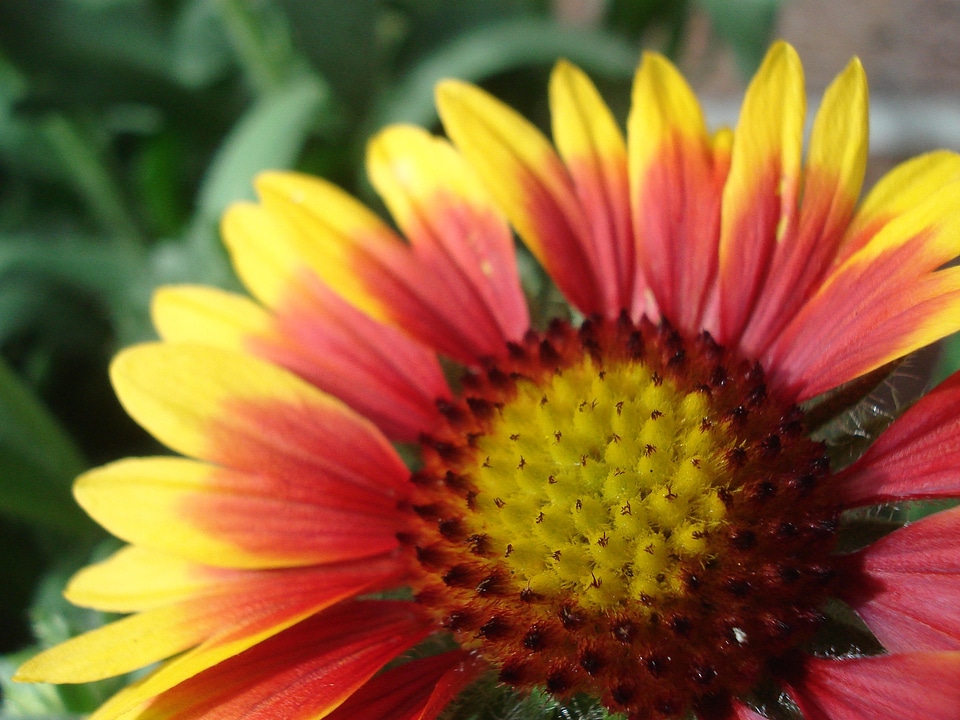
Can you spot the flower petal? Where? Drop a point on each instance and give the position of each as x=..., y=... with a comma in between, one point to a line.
x=456, y=679
x=418, y=690
x=761, y=192
x=375, y=369
x=832, y=178
x=910, y=597
x=305, y=672
x=359, y=257
x=915, y=458
x=676, y=179
x=138, y=578
x=263, y=250
x=458, y=235
x=126, y=645
x=593, y=149
x=249, y=415
x=885, y=301
x=231, y=519
x=201, y=314
x=900, y=190
x=229, y=617
x=308, y=223
x=531, y=185
x=912, y=686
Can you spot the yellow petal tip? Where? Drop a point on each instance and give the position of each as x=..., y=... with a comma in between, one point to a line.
x=448, y=90
x=563, y=68
x=457, y=96
x=36, y=670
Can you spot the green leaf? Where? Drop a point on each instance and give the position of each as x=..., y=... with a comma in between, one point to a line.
x=490, y=700
x=918, y=510
x=13, y=86
x=843, y=634
x=38, y=462
x=54, y=621
x=201, y=49
x=115, y=273
x=634, y=18
x=88, y=172
x=416, y=28
x=261, y=40
x=832, y=404
x=22, y=144
x=863, y=527
x=949, y=361
x=343, y=41
x=36, y=701
x=746, y=25
x=498, y=48
x=158, y=172
x=99, y=4
x=270, y=135
x=112, y=42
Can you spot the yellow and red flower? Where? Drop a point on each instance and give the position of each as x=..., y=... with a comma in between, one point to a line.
x=630, y=506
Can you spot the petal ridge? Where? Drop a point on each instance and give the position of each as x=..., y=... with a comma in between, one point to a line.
x=759, y=205
x=530, y=184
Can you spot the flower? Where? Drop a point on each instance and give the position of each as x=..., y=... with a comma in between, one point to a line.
x=630, y=507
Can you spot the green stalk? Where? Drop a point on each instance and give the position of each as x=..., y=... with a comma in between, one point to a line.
x=262, y=48
x=90, y=178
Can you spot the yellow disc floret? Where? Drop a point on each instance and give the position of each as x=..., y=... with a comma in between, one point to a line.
x=598, y=481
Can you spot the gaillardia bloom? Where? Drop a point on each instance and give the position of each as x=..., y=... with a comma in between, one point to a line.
x=633, y=506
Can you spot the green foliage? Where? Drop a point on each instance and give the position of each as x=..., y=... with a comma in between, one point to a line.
x=746, y=25
x=499, y=47
x=37, y=461
x=54, y=620
x=488, y=700
x=126, y=128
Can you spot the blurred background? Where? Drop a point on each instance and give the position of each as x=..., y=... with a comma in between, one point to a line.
x=127, y=126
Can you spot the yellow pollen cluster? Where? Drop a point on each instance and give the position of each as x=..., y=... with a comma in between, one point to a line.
x=602, y=484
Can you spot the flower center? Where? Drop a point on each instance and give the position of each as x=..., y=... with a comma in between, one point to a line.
x=634, y=485
x=620, y=511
